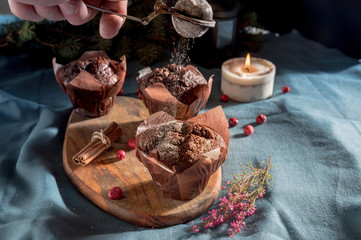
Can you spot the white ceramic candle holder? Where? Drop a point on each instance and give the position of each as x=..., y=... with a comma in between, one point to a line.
x=248, y=84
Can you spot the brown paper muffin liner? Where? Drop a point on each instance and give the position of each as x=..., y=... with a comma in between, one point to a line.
x=192, y=181
x=157, y=98
x=90, y=97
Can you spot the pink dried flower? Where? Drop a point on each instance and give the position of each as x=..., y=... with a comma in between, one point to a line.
x=240, y=200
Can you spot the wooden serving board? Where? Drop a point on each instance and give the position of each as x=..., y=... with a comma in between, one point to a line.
x=143, y=204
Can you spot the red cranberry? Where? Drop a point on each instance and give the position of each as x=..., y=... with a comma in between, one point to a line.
x=261, y=119
x=131, y=143
x=248, y=130
x=120, y=93
x=139, y=93
x=121, y=154
x=115, y=193
x=224, y=98
x=233, y=122
x=286, y=89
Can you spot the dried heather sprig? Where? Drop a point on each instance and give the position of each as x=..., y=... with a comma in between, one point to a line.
x=239, y=202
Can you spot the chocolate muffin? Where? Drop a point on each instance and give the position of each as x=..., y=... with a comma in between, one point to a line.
x=181, y=156
x=180, y=81
x=178, y=144
x=91, y=82
x=102, y=69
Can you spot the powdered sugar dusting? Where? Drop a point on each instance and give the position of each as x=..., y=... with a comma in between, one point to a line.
x=180, y=55
x=177, y=144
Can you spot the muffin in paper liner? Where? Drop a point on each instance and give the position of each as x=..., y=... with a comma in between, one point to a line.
x=157, y=98
x=91, y=97
x=189, y=183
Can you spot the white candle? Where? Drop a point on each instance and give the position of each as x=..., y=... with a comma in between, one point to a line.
x=250, y=82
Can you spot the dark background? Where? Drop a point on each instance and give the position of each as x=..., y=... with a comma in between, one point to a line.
x=335, y=23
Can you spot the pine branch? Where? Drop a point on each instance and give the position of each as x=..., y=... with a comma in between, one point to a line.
x=27, y=31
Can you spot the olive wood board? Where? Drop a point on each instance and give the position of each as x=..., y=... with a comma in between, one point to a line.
x=142, y=204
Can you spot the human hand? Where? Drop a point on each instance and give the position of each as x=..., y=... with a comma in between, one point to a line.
x=74, y=11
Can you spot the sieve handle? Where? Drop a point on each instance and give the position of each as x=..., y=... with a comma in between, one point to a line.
x=116, y=13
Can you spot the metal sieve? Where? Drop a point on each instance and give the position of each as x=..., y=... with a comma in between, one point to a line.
x=160, y=8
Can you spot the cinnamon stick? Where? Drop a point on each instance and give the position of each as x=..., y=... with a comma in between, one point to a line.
x=95, y=147
x=90, y=146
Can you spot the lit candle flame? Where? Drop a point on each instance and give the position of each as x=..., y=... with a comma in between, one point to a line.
x=247, y=64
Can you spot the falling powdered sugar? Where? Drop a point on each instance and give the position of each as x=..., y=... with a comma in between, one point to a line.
x=179, y=55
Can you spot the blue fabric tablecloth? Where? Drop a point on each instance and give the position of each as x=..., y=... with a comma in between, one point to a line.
x=313, y=134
